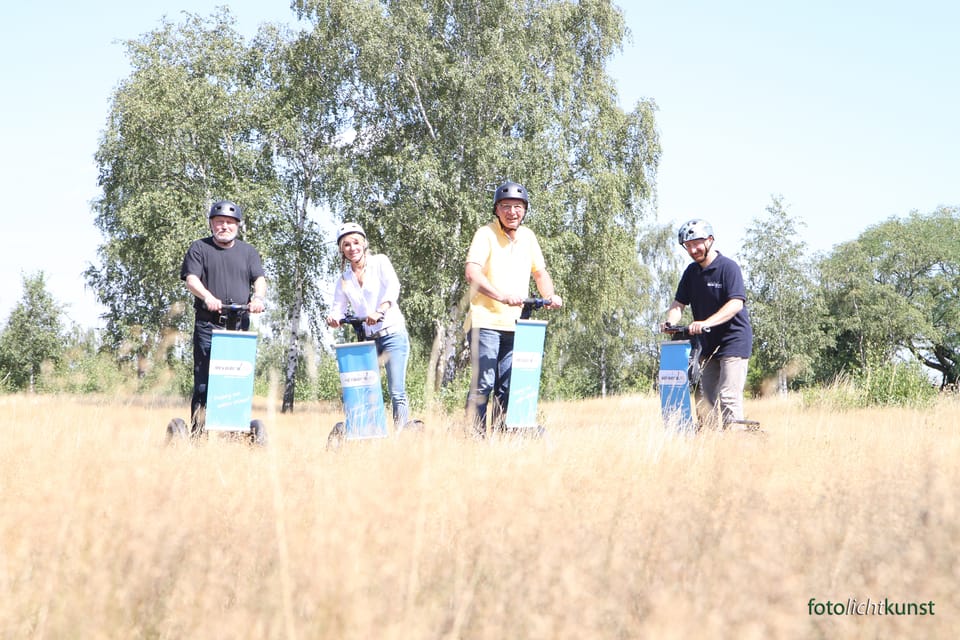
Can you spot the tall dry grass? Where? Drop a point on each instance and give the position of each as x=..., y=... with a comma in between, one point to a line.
x=609, y=528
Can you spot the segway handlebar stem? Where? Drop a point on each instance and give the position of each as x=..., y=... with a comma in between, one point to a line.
x=357, y=324
x=231, y=314
x=530, y=304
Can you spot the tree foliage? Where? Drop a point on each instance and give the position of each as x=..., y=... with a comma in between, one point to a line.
x=401, y=115
x=179, y=136
x=298, y=115
x=786, y=309
x=445, y=100
x=32, y=336
x=204, y=116
x=897, y=288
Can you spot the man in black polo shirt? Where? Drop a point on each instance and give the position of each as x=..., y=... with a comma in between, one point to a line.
x=218, y=270
x=713, y=287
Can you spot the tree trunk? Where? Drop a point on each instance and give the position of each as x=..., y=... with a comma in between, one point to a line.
x=603, y=371
x=293, y=356
x=445, y=351
x=433, y=368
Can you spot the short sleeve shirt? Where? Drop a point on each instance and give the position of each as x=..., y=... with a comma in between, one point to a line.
x=226, y=273
x=508, y=265
x=706, y=290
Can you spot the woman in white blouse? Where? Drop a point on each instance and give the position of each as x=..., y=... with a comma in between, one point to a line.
x=369, y=285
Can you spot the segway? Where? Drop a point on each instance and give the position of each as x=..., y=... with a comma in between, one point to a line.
x=362, y=394
x=677, y=380
x=679, y=372
x=528, y=340
x=233, y=357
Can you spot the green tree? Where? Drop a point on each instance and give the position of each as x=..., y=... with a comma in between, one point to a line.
x=300, y=116
x=662, y=262
x=896, y=288
x=445, y=100
x=203, y=116
x=32, y=336
x=786, y=309
x=180, y=134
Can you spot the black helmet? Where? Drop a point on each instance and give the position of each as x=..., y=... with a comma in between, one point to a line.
x=225, y=208
x=510, y=190
x=696, y=229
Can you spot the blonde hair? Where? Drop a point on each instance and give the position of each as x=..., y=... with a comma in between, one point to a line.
x=343, y=258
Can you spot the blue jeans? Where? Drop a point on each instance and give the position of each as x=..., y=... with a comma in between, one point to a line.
x=492, y=360
x=395, y=351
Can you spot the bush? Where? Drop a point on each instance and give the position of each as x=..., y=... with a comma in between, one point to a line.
x=901, y=384
x=897, y=383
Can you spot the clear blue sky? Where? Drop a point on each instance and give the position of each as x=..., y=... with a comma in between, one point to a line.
x=848, y=109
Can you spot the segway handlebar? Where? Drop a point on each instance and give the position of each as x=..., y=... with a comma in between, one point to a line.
x=530, y=304
x=230, y=307
x=681, y=332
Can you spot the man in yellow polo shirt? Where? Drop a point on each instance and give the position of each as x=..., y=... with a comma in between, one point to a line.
x=502, y=257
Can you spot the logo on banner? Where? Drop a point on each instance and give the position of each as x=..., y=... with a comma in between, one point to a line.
x=527, y=360
x=231, y=368
x=673, y=377
x=359, y=378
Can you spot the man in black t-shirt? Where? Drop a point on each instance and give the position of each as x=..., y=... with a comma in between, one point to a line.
x=713, y=287
x=219, y=270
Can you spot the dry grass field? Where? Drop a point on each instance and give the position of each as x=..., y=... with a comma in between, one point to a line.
x=609, y=528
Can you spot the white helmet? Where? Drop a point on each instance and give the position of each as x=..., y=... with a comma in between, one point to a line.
x=696, y=229
x=347, y=228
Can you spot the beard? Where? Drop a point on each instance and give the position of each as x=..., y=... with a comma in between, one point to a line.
x=224, y=237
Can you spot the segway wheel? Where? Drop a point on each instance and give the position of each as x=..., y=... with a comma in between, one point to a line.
x=414, y=426
x=177, y=430
x=751, y=426
x=258, y=433
x=336, y=437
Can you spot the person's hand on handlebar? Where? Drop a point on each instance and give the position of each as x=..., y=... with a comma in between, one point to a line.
x=512, y=300
x=376, y=317
x=333, y=322
x=694, y=328
x=554, y=302
x=698, y=326
x=212, y=303
x=257, y=305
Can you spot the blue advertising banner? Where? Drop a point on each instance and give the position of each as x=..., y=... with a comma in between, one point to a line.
x=233, y=355
x=525, y=374
x=362, y=395
x=674, y=384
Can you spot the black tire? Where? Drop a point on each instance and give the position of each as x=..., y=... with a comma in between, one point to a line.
x=336, y=437
x=258, y=433
x=749, y=426
x=177, y=430
x=414, y=426
x=533, y=433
